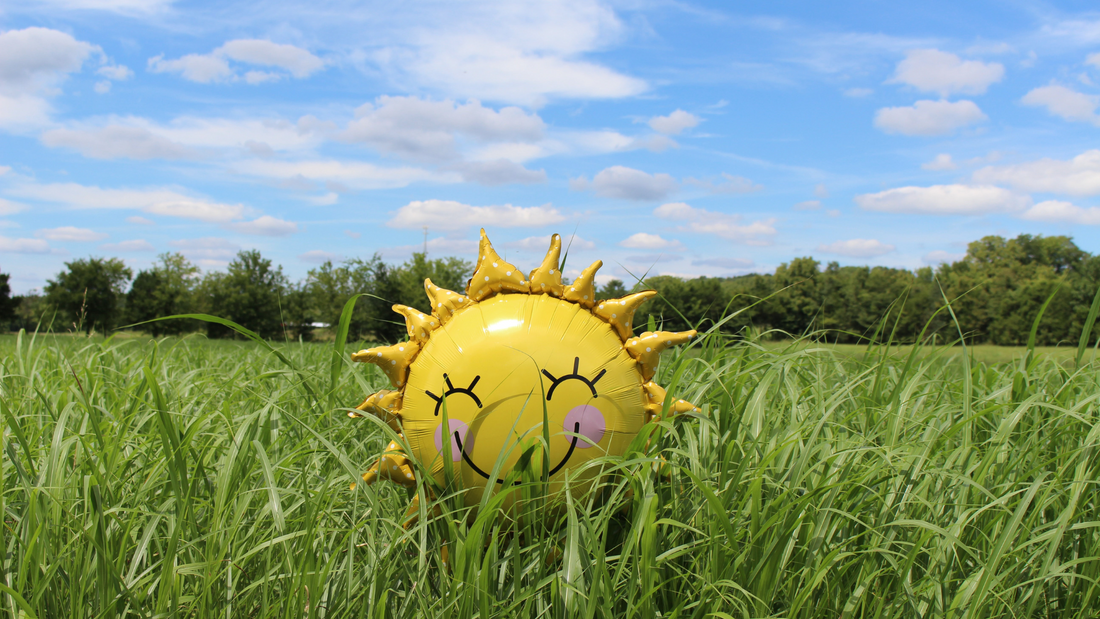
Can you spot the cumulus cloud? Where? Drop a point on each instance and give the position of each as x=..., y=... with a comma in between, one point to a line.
x=141, y=221
x=211, y=249
x=674, y=123
x=70, y=233
x=808, y=205
x=944, y=200
x=929, y=117
x=115, y=72
x=265, y=225
x=155, y=201
x=725, y=226
x=134, y=245
x=857, y=248
x=941, y=162
x=7, y=207
x=932, y=70
x=214, y=67
x=24, y=246
x=117, y=142
x=1063, y=212
x=498, y=172
x=729, y=184
x=451, y=215
x=426, y=130
x=355, y=174
x=33, y=61
x=1079, y=176
x=627, y=184
x=644, y=240
x=1065, y=103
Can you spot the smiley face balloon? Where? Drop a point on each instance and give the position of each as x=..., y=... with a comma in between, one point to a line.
x=477, y=378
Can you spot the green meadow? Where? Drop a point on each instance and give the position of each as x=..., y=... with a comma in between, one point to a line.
x=198, y=478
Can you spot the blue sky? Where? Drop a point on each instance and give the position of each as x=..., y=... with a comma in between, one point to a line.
x=686, y=138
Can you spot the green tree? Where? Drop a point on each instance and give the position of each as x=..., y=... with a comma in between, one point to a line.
x=88, y=292
x=7, y=303
x=164, y=290
x=408, y=279
x=614, y=289
x=249, y=293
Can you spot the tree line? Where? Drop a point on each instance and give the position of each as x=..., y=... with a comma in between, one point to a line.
x=995, y=293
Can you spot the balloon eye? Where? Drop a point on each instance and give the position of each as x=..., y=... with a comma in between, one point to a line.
x=586, y=421
x=459, y=436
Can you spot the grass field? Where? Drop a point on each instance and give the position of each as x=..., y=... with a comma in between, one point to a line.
x=195, y=478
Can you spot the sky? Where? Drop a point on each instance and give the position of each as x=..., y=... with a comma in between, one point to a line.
x=681, y=138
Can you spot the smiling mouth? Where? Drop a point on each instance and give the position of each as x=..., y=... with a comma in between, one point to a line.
x=568, y=454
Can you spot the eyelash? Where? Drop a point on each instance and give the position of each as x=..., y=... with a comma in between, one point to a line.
x=574, y=376
x=452, y=389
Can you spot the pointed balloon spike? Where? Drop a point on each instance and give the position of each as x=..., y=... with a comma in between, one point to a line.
x=386, y=405
x=394, y=360
x=444, y=302
x=417, y=323
x=547, y=278
x=583, y=289
x=655, y=403
x=392, y=465
x=647, y=347
x=493, y=274
x=620, y=312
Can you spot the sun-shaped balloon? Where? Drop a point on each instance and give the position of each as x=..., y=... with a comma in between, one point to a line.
x=478, y=377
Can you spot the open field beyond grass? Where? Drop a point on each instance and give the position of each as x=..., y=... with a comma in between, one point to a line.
x=196, y=478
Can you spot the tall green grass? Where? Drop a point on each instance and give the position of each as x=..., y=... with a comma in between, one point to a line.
x=193, y=478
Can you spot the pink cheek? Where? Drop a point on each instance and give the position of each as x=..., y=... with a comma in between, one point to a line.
x=462, y=429
x=586, y=421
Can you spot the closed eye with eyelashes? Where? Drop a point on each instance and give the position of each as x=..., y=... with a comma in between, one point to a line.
x=451, y=389
x=576, y=375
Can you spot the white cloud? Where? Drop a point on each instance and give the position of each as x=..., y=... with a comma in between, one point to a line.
x=944, y=200
x=499, y=172
x=929, y=117
x=157, y=201
x=643, y=240
x=70, y=233
x=7, y=207
x=729, y=227
x=194, y=67
x=253, y=78
x=125, y=7
x=265, y=225
x=451, y=215
x=1079, y=176
x=427, y=130
x=33, y=61
x=939, y=257
x=1063, y=212
x=214, y=67
x=857, y=248
x=211, y=249
x=115, y=72
x=354, y=174
x=117, y=142
x=627, y=184
x=808, y=205
x=135, y=245
x=141, y=221
x=540, y=244
x=858, y=92
x=324, y=200
x=102, y=88
x=941, y=162
x=299, y=62
x=729, y=184
x=318, y=256
x=833, y=212
x=821, y=191
x=932, y=70
x=1093, y=59
x=674, y=123
x=23, y=246
x=1065, y=103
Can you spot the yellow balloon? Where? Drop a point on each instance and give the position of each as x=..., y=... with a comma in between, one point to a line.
x=493, y=374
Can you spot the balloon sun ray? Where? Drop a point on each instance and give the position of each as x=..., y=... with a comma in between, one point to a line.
x=594, y=374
